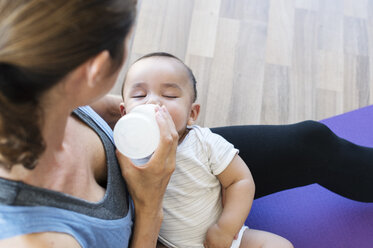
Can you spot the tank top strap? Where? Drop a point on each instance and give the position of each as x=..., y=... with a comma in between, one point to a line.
x=88, y=111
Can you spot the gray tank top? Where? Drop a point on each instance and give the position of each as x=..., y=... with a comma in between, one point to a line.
x=114, y=205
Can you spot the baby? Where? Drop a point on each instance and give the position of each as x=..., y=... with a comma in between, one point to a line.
x=206, y=164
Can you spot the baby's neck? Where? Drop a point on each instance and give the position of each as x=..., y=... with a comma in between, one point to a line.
x=183, y=134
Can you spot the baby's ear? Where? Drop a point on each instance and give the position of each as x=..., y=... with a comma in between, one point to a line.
x=122, y=109
x=193, y=115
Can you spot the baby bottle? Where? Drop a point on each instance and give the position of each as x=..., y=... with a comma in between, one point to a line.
x=136, y=134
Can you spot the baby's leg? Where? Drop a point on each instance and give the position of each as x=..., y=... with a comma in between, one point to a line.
x=260, y=239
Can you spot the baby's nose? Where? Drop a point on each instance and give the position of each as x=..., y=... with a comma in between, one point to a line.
x=154, y=100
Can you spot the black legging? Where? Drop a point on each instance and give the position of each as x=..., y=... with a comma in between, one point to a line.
x=287, y=156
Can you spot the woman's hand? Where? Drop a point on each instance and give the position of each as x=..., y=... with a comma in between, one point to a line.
x=147, y=183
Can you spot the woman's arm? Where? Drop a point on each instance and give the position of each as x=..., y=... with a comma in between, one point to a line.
x=147, y=183
x=108, y=108
x=239, y=189
x=146, y=228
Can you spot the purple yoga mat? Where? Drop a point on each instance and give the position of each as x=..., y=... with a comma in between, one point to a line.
x=314, y=217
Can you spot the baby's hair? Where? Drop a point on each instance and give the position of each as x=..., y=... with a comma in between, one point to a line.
x=164, y=54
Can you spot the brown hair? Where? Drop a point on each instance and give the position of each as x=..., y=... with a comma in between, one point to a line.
x=41, y=41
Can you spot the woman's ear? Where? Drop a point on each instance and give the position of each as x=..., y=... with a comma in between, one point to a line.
x=122, y=109
x=193, y=115
x=97, y=67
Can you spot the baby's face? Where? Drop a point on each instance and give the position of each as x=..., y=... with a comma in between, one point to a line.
x=161, y=81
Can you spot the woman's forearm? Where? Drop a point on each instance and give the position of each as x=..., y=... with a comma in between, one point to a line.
x=146, y=229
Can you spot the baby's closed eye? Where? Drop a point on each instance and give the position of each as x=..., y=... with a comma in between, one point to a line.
x=138, y=96
x=170, y=96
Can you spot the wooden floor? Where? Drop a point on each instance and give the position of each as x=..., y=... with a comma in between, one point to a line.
x=265, y=61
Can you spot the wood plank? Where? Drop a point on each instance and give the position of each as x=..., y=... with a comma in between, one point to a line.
x=304, y=67
x=222, y=74
x=330, y=70
x=246, y=10
x=280, y=32
x=356, y=82
x=328, y=103
x=330, y=30
x=371, y=80
x=370, y=34
x=331, y=6
x=203, y=28
x=370, y=45
x=149, y=26
x=307, y=4
x=356, y=8
x=276, y=91
x=355, y=36
x=248, y=73
x=362, y=80
x=176, y=26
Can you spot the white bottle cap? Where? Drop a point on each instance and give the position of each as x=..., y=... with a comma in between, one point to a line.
x=136, y=135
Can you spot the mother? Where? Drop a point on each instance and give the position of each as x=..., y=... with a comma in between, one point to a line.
x=55, y=56
x=60, y=183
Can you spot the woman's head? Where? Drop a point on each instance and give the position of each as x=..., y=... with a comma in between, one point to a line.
x=41, y=42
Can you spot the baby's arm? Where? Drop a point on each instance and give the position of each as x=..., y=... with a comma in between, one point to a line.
x=108, y=108
x=239, y=188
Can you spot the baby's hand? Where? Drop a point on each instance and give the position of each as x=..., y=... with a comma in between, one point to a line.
x=217, y=238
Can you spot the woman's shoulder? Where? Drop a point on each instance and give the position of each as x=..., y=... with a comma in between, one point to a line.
x=94, y=120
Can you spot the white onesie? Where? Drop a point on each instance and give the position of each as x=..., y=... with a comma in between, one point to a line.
x=192, y=202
